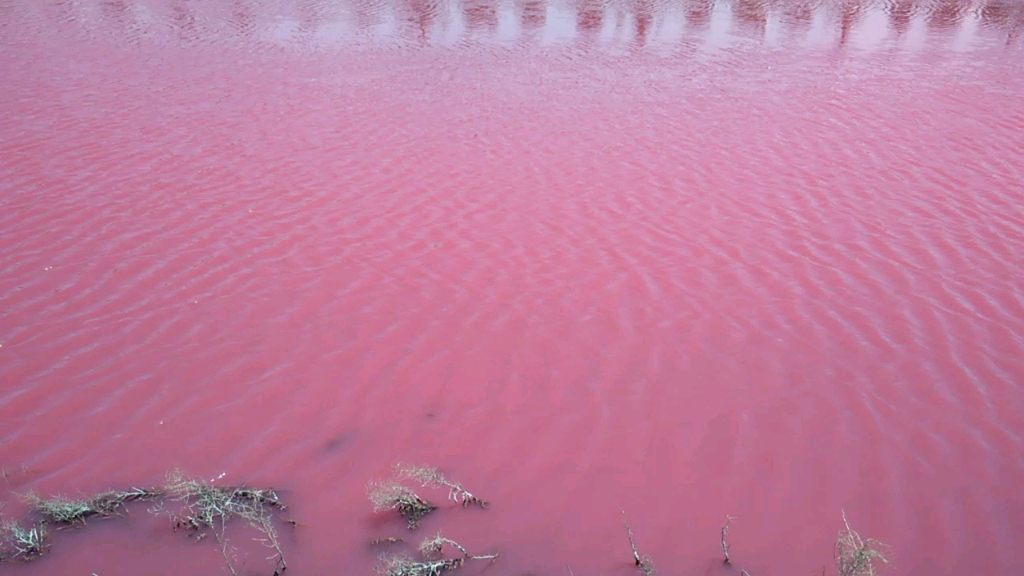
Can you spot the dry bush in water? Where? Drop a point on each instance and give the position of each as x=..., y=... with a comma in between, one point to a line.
x=204, y=506
x=430, y=476
x=390, y=495
x=856, y=556
x=433, y=562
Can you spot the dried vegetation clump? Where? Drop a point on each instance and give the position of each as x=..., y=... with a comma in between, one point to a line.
x=392, y=494
x=63, y=510
x=204, y=504
x=20, y=543
x=205, y=508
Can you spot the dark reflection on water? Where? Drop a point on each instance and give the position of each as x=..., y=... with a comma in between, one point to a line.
x=864, y=24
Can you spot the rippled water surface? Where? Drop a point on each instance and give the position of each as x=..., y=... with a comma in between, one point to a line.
x=683, y=258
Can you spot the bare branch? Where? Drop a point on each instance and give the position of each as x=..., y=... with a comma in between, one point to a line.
x=265, y=524
x=224, y=547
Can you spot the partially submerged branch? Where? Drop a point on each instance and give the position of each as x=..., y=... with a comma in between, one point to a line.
x=725, y=532
x=645, y=563
x=264, y=523
x=855, y=556
x=223, y=542
x=430, y=476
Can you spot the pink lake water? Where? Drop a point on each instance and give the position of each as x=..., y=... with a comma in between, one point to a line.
x=686, y=259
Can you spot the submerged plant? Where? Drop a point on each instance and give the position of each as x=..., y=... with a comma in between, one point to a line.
x=434, y=547
x=19, y=542
x=207, y=506
x=855, y=556
x=205, y=503
x=430, y=476
x=390, y=495
x=401, y=565
x=60, y=509
x=433, y=563
x=63, y=510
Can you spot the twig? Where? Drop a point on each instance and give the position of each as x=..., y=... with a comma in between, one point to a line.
x=629, y=534
x=645, y=564
x=224, y=546
x=725, y=532
x=266, y=526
